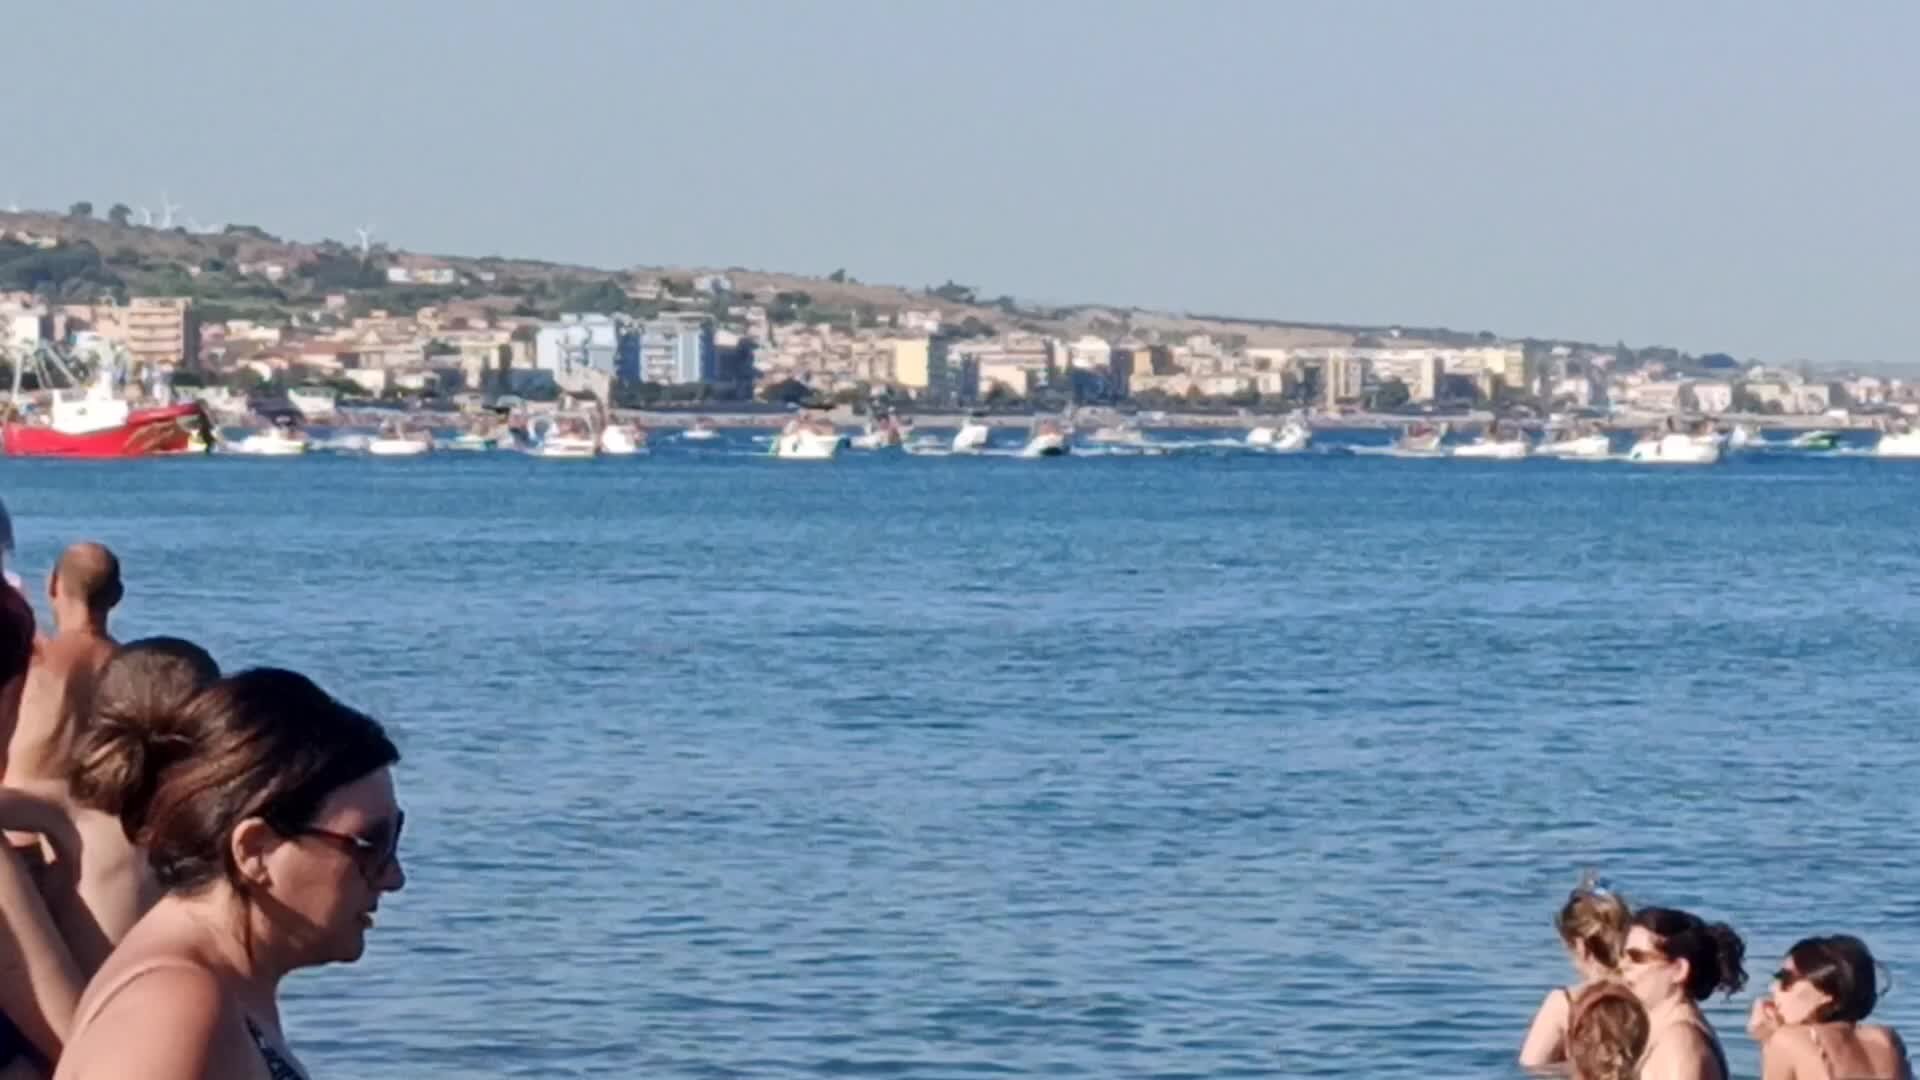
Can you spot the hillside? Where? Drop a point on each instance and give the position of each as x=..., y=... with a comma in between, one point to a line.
x=247, y=272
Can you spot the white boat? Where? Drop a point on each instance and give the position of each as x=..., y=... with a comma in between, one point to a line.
x=1898, y=444
x=313, y=402
x=1292, y=436
x=1422, y=439
x=623, y=440
x=282, y=439
x=973, y=437
x=562, y=437
x=884, y=433
x=807, y=439
x=1676, y=448
x=395, y=441
x=1575, y=445
x=1124, y=433
x=1048, y=440
x=701, y=431
x=1744, y=437
x=1815, y=440
x=472, y=442
x=1488, y=448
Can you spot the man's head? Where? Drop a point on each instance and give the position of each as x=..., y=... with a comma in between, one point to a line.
x=87, y=578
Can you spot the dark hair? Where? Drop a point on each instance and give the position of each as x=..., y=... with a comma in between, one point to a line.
x=138, y=693
x=264, y=743
x=1607, y=1033
x=1842, y=968
x=17, y=628
x=1595, y=918
x=1713, y=952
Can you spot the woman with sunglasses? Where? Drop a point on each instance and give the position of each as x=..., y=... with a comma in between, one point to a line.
x=271, y=826
x=1809, y=1027
x=1674, y=960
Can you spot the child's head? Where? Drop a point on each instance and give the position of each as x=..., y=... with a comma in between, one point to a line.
x=1593, y=926
x=1607, y=1033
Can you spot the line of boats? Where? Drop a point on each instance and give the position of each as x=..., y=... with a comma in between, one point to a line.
x=1699, y=443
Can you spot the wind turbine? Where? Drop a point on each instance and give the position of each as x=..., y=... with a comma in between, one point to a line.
x=365, y=232
x=167, y=207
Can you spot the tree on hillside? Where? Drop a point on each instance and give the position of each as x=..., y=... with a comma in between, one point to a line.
x=120, y=214
x=601, y=297
x=954, y=291
x=81, y=209
x=838, y=277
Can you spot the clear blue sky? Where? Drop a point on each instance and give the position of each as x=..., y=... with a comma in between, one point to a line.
x=1709, y=175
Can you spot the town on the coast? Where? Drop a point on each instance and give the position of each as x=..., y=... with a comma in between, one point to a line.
x=244, y=326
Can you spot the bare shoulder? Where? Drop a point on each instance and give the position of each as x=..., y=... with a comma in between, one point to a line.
x=165, y=1019
x=1882, y=1043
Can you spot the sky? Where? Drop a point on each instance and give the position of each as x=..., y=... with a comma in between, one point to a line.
x=1713, y=176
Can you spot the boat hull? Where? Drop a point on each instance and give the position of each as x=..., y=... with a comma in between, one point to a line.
x=146, y=433
x=1904, y=444
x=398, y=447
x=1579, y=448
x=972, y=439
x=1512, y=450
x=1045, y=445
x=1676, y=450
x=806, y=446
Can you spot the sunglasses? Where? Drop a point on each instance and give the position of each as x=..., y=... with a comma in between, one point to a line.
x=1786, y=977
x=1644, y=956
x=373, y=857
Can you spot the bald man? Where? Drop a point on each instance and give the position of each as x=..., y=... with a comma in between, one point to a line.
x=83, y=589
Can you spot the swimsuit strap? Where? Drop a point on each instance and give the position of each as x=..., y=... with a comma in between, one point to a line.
x=278, y=1067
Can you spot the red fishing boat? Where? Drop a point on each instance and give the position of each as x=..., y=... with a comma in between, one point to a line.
x=94, y=421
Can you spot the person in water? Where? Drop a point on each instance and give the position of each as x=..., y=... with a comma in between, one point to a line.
x=83, y=589
x=272, y=827
x=1810, y=1027
x=1607, y=1033
x=39, y=983
x=97, y=883
x=1593, y=928
x=1674, y=960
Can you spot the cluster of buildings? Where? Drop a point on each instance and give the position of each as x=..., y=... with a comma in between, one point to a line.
x=703, y=334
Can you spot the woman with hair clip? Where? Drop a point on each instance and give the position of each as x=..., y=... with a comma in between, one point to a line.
x=269, y=820
x=1673, y=961
x=1809, y=1026
x=1593, y=927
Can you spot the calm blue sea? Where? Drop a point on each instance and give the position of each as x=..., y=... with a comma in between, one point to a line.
x=1199, y=765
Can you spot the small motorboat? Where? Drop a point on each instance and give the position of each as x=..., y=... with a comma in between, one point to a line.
x=881, y=433
x=282, y=438
x=973, y=436
x=1495, y=444
x=807, y=438
x=623, y=440
x=1575, y=444
x=564, y=436
x=394, y=440
x=1422, y=440
x=1675, y=448
x=701, y=431
x=1817, y=441
x=1291, y=436
x=1048, y=439
x=1901, y=442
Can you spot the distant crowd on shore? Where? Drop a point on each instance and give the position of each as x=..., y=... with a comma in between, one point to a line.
x=1634, y=1012
x=178, y=841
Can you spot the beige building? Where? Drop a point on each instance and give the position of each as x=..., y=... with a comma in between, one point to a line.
x=162, y=331
x=913, y=363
